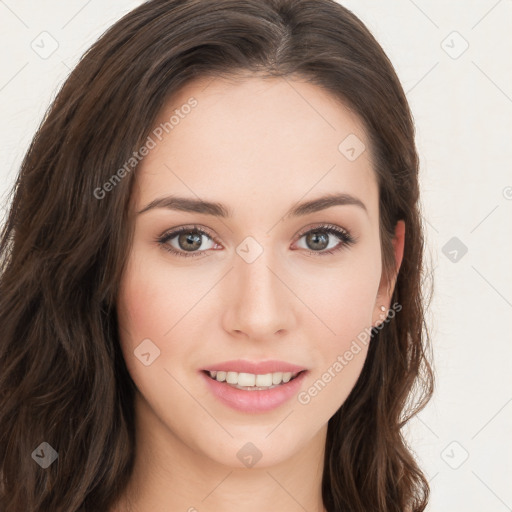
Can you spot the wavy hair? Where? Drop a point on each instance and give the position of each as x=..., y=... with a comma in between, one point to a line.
x=63, y=379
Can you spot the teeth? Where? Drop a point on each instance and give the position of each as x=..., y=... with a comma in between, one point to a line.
x=251, y=380
x=277, y=377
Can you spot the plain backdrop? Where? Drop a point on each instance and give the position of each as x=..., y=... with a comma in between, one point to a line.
x=453, y=59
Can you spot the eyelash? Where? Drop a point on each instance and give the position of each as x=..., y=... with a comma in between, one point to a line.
x=346, y=239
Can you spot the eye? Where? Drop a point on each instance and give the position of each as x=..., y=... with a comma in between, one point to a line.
x=321, y=238
x=186, y=241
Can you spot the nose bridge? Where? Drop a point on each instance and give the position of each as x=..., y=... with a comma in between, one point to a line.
x=260, y=304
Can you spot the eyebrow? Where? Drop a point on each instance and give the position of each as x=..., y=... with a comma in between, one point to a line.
x=186, y=204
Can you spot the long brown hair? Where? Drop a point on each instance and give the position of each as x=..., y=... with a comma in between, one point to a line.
x=63, y=249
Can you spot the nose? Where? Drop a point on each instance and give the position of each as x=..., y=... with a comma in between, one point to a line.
x=260, y=303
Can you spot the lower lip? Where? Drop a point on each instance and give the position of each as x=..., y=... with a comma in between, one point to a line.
x=254, y=401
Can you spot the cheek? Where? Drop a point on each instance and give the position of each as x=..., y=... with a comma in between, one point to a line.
x=149, y=302
x=340, y=356
x=159, y=303
x=349, y=314
x=344, y=298
x=148, y=309
x=143, y=314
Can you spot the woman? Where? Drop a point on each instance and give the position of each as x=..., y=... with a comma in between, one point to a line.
x=210, y=290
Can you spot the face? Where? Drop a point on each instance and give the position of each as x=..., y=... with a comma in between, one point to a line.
x=267, y=281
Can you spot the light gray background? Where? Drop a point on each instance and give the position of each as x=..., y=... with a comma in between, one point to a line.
x=462, y=103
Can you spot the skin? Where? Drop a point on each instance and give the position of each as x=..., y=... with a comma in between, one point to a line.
x=259, y=147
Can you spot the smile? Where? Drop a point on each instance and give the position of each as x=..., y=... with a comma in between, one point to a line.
x=253, y=398
x=251, y=381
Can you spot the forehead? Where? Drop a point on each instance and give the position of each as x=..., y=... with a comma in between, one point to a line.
x=256, y=138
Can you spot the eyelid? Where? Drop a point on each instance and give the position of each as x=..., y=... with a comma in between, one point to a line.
x=192, y=227
x=321, y=225
x=344, y=235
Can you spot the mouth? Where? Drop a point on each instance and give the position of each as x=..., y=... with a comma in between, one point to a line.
x=253, y=382
x=252, y=393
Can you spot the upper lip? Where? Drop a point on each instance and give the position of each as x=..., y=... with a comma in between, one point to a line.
x=256, y=368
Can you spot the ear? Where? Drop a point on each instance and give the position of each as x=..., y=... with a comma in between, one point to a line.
x=386, y=288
